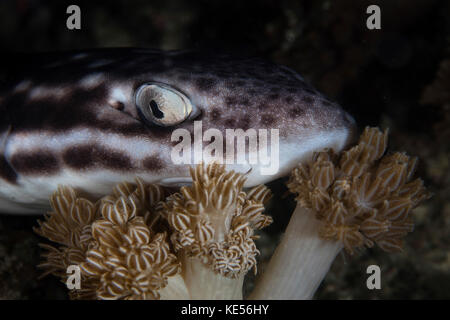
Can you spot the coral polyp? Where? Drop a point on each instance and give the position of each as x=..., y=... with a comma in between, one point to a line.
x=139, y=244
x=364, y=197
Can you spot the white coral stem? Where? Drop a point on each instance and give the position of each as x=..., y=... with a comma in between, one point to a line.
x=205, y=284
x=299, y=263
x=175, y=290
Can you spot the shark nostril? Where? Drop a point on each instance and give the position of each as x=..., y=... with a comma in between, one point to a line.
x=118, y=105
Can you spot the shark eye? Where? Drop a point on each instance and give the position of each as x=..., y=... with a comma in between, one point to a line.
x=162, y=105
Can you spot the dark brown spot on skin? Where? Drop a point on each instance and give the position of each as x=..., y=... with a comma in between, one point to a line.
x=132, y=129
x=288, y=99
x=6, y=172
x=244, y=102
x=41, y=162
x=153, y=163
x=267, y=120
x=307, y=99
x=53, y=115
x=297, y=111
x=230, y=101
x=215, y=114
x=90, y=156
x=229, y=123
x=244, y=123
x=205, y=83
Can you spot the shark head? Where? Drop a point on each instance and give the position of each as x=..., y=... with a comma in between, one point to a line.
x=94, y=119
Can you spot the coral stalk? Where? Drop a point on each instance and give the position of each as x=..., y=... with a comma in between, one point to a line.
x=361, y=198
x=199, y=243
x=213, y=223
x=206, y=284
x=295, y=271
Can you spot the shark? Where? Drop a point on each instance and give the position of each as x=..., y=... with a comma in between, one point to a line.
x=94, y=118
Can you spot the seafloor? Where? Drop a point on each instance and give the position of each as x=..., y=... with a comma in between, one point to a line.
x=396, y=77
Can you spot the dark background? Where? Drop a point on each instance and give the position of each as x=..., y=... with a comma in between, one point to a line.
x=396, y=77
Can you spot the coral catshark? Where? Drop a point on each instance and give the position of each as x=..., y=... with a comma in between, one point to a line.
x=92, y=119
